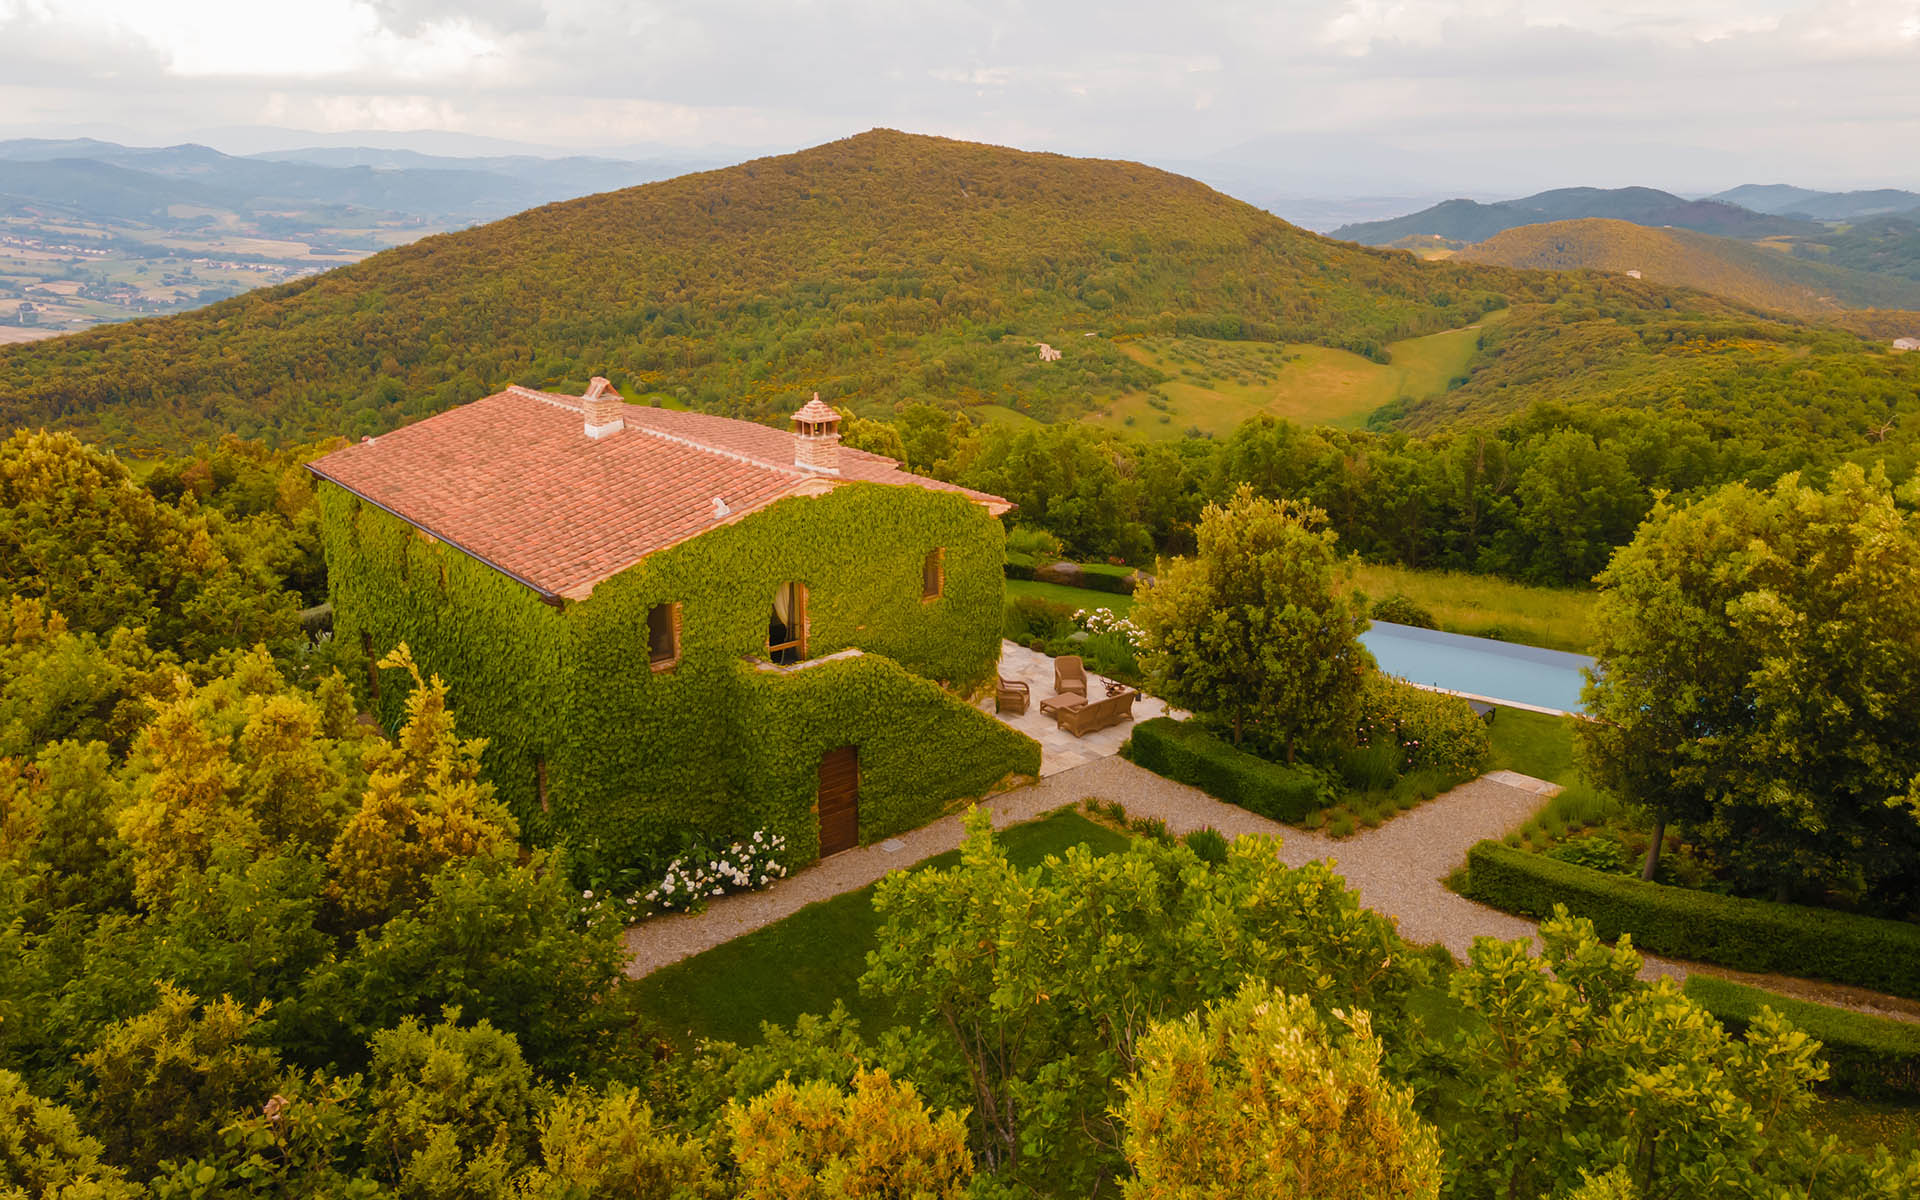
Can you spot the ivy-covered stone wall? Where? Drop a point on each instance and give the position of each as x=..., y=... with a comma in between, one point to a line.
x=635, y=760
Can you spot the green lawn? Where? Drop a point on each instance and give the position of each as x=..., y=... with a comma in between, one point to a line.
x=1542, y=746
x=816, y=956
x=1071, y=596
x=1533, y=744
x=1487, y=606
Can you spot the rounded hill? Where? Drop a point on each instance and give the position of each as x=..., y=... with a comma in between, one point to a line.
x=881, y=266
x=1761, y=275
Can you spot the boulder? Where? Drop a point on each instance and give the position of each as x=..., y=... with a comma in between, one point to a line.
x=1067, y=573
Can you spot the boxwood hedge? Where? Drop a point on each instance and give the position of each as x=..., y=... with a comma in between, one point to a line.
x=1747, y=935
x=1189, y=754
x=1867, y=1056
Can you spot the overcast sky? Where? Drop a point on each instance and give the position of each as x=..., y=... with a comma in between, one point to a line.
x=1316, y=95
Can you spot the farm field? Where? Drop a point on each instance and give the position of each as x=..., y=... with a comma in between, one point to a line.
x=1218, y=384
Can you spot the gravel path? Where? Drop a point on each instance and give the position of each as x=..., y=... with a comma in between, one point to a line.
x=1396, y=868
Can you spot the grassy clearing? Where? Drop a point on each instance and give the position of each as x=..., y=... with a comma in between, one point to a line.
x=1000, y=414
x=1542, y=746
x=1076, y=597
x=1487, y=606
x=1218, y=384
x=807, y=961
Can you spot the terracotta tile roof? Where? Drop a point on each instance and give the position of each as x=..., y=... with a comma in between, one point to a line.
x=515, y=481
x=816, y=412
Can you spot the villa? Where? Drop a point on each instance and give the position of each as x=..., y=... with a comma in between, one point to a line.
x=671, y=624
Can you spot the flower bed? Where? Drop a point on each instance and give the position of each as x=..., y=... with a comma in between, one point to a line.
x=696, y=878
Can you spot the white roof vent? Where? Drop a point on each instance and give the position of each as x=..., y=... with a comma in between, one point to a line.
x=720, y=508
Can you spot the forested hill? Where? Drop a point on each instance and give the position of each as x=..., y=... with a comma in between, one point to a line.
x=1471, y=221
x=882, y=266
x=1741, y=271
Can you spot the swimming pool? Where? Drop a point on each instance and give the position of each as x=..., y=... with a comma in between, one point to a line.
x=1484, y=669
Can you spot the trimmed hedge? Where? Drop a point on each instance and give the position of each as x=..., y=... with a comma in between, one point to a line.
x=1747, y=935
x=1184, y=752
x=1868, y=1056
x=1094, y=577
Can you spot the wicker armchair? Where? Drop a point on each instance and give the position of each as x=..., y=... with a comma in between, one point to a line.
x=1070, y=675
x=1012, y=696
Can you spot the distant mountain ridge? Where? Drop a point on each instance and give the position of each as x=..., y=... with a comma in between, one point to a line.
x=1471, y=221
x=1738, y=270
x=458, y=190
x=1784, y=200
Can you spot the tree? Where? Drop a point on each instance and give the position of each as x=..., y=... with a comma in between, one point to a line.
x=43, y=1152
x=1758, y=671
x=1259, y=1097
x=609, y=1146
x=59, y=685
x=815, y=1141
x=425, y=806
x=1252, y=630
x=1572, y=1070
x=452, y=1110
x=162, y=1084
x=76, y=531
x=499, y=940
x=243, y=760
x=1037, y=986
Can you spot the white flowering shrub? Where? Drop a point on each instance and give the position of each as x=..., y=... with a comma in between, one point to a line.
x=1102, y=620
x=695, y=878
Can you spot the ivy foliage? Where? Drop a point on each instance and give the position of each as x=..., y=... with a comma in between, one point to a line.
x=636, y=761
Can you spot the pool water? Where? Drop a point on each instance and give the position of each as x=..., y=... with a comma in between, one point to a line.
x=1480, y=667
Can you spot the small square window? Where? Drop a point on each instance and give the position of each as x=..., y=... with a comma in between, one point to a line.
x=663, y=636
x=933, y=575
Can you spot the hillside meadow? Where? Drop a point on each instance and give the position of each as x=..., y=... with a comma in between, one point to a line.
x=1213, y=385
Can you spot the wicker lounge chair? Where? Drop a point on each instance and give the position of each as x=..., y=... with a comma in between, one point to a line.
x=1012, y=696
x=1069, y=674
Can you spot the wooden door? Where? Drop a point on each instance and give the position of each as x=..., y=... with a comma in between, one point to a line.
x=839, y=800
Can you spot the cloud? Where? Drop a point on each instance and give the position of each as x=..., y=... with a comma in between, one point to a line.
x=1783, y=85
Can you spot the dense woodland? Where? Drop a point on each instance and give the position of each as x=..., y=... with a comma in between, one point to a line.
x=253, y=945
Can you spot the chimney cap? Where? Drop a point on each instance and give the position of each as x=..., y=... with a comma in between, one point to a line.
x=816, y=413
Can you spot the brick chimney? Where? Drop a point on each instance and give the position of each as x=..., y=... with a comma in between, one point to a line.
x=816, y=438
x=603, y=407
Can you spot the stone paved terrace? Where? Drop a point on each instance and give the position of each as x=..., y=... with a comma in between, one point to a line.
x=1060, y=750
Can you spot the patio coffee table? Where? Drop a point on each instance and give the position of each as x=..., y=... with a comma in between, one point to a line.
x=1067, y=701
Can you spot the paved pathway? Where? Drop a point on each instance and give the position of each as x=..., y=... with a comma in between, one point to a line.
x=1396, y=868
